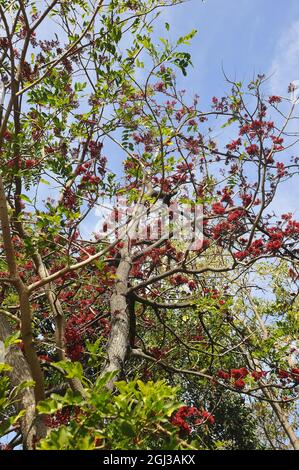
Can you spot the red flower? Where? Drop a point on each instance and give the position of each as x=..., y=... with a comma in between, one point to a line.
x=75, y=352
x=208, y=417
x=252, y=149
x=192, y=285
x=45, y=357
x=277, y=140
x=274, y=245
x=234, y=144
x=241, y=255
x=257, y=375
x=247, y=199
x=223, y=375
x=235, y=215
x=157, y=353
x=295, y=372
x=218, y=208
x=178, y=280
x=31, y=162
x=244, y=129
x=240, y=384
x=179, y=418
x=221, y=229
x=188, y=415
x=281, y=171
x=7, y=135
x=274, y=99
x=239, y=373
x=282, y=374
x=159, y=86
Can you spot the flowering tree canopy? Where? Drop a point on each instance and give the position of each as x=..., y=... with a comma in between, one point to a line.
x=186, y=291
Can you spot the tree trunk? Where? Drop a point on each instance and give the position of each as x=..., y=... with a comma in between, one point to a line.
x=119, y=339
x=58, y=313
x=31, y=429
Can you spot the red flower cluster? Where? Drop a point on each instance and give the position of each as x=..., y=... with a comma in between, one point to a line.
x=252, y=149
x=192, y=285
x=186, y=416
x=292, y=228
x=45, y=357
x=76, y=332
x=31, y=163
x=277, y=141
x=274, y=99
x=256, y=247
x=259, y=246
x=235, y=215
x=218, y=208
x=293, y=375
x=283, y=374
x=158, y=353
x=159, y=86
x=239, y=375
x=274, y=245
x=61, y=417
x=220, y=104
x=185, y=167
x=240, y=384
x=69, y=199
x=275, y=242
x=193, y=145
x=206, y=417
x=247, y=199
x=227, y=196
x=222, y=374
x=257, y=128
x=7, y=135
x=257, y=375
x=95, y=149
x=213, y=293
x=234, y=145
x=281, y=171
x=221, y=229
x=178, y=280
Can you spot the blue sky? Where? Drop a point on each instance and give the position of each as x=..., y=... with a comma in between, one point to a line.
x=245, y=36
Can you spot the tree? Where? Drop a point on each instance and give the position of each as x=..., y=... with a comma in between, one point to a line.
x=162, y=300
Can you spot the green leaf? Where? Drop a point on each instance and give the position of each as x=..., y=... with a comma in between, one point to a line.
x=5, y=367
x=72, y=369
x=49, y=406
x=127, y=429
x=44, y=181
x=25, y=198
x=12, y=339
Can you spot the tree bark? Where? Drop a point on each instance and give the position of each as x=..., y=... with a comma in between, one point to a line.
x=121, y=301
x=23, y=292
x=119, y=339
x=288, y=429
x=57, y=311
x=269, y=394
x=31, y=428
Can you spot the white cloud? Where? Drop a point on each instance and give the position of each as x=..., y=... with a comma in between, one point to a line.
x=285, y=65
